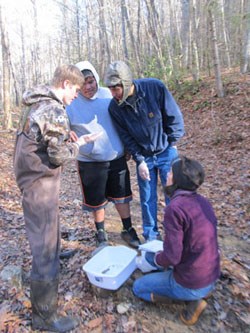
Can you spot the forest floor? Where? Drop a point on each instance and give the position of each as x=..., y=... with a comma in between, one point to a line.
x=217, y=134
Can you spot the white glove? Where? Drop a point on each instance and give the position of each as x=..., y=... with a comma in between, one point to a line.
x=88, y=138
x=143, y=171
x=143, y=265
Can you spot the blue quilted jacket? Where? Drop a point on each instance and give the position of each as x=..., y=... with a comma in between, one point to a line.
x=150, y=122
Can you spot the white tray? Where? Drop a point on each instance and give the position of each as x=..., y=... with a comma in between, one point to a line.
x=111, y=267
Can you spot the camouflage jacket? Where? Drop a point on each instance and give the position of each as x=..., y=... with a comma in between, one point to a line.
x=45, y=122
x=42, y=143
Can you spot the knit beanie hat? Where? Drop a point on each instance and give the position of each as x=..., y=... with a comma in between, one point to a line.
x=188, y=174
x=118, y=72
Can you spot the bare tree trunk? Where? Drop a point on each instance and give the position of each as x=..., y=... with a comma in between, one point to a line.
x=185, y=31
x=176, y=20
x=36, y=47
x=138, y=27
x=245, y=63
x=14, y=82
x=115, y=43
x=88, y=39
x=7, y=120
x=135, y=49
x=153, y=19
x=171, y=44
x=222, y=3
x=246, y=55
x=23, y=61
x=194, y=30
x=104, y=43
x=65, y=33
x=124, y=39
x=158, y=37
x=220, y=90
x=78, y=51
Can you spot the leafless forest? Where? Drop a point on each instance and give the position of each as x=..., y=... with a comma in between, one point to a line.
x=168, y=39
x=201, y=50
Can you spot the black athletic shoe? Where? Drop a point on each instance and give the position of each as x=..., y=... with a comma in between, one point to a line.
x=67, y=254
x=101, y=241
x=130, y=237
x=101, y=238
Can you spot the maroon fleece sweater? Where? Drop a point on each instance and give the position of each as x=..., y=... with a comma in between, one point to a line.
x=190, y=243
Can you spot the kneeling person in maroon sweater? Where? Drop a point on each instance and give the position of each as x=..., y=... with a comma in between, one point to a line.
x=189, y=264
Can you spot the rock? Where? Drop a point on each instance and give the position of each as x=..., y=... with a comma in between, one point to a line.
x=123, y=307
x=13, y=274
x=77, y=202
x=68, y=296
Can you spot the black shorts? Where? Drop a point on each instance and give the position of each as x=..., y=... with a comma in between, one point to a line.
x=104, y=181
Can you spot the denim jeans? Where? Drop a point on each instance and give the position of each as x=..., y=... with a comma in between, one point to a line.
x=164, y=284
x=158, y=165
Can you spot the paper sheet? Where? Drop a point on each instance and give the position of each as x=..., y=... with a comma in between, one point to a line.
x=152, y=246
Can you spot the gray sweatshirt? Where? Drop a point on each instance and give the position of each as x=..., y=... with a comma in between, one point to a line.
x=90, y=116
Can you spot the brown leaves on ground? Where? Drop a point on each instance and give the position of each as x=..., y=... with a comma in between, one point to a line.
x=217, y=134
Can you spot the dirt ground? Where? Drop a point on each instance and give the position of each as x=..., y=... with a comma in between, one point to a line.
x=217, y=134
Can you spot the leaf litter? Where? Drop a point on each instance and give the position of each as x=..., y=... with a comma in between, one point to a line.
x=217, y=134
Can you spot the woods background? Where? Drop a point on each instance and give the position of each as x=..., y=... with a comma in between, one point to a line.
x=201, y=50
x=167, y=39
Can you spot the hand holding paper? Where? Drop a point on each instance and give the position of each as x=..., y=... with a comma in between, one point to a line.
x=88, y=138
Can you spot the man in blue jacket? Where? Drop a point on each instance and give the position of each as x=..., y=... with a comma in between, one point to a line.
x=149, y=123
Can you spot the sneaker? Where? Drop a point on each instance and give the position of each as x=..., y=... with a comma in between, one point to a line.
x=67, y=254
x=101, y=238
x=130, y=237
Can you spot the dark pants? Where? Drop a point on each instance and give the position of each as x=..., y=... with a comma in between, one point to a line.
x=104, y=181
x=41, y=214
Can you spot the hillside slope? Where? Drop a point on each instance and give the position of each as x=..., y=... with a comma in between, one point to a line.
x=217, y=134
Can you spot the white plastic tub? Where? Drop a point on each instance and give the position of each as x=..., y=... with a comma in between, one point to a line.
x=111, y=267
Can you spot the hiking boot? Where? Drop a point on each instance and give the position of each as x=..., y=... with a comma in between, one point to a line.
x=130, y=237
x=101, y=238
x=44, y=303
x=191, y=314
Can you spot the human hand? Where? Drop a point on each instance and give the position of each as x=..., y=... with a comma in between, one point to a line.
x=143, y=171
x=73, y=136
x=88, y=138
x=127, y=156
x=145, y=263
